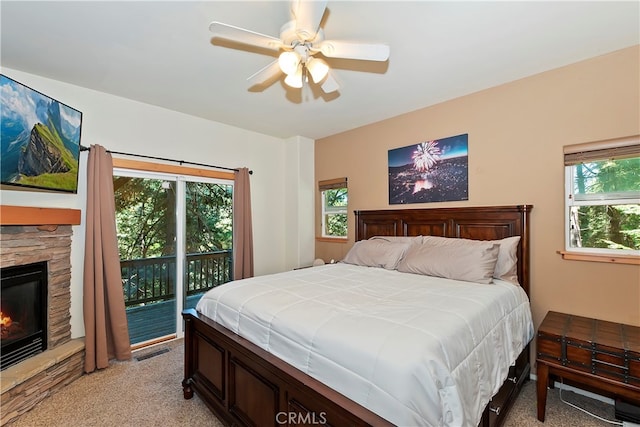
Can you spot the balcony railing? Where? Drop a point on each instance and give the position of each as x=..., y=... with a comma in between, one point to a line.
x=153, y=279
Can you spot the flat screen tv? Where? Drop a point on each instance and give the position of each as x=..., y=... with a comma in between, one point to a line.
x=40, y=140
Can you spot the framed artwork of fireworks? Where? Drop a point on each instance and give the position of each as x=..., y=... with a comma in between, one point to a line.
x=430, y=171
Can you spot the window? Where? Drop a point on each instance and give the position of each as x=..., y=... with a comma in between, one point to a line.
x=334, y=196
x=603, y=197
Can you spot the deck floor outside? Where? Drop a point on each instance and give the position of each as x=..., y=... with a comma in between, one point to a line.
x=155, y=320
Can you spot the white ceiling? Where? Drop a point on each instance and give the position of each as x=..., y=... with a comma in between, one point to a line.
x=162, y=53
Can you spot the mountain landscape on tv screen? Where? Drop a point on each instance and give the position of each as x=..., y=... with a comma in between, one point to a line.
x=40, y=139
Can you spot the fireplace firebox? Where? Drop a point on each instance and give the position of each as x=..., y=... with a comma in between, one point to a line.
x=23, y=312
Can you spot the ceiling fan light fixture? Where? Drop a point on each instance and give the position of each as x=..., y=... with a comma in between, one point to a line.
x=294, y=80
x=289, y=62
x=300, y=39
x=317, y=68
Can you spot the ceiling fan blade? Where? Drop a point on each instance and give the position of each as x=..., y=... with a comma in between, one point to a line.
x=264, y=73
x=353, y=50
x=241, y=35
x=330, y=84
x=308, y=15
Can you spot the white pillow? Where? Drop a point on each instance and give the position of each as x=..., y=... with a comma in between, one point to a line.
x=376, y=253
x=471, y=261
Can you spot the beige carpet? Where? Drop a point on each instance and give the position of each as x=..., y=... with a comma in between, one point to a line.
x=148, y=392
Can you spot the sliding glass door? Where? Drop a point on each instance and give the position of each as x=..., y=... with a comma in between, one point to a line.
x=174, y=238
x=209, y=238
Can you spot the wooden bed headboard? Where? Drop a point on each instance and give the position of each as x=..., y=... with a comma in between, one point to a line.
x=478, y=223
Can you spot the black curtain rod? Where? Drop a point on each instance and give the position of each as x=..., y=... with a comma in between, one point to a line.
x=83, y=148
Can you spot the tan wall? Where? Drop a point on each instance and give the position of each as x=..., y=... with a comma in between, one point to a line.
x=516, y=134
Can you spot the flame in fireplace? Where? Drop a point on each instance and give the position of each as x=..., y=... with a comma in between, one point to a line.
x=5, y=320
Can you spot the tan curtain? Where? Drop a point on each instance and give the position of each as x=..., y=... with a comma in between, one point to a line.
x=242, y=228
x=105, y=320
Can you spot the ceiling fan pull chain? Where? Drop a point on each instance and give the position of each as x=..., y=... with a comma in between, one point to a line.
x=304, y=80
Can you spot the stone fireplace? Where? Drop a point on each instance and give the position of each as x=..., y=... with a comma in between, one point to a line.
x=24, y=241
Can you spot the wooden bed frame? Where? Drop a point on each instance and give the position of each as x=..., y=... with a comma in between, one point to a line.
x=244, y=385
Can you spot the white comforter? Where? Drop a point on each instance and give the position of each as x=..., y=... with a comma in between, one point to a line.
x=416, y=350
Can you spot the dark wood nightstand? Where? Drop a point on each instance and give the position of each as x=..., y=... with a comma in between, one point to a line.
x=602, y=356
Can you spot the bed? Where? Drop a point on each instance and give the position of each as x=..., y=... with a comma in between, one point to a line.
x=324, y=371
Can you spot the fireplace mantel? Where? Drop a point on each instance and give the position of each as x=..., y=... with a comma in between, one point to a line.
x=24, y=215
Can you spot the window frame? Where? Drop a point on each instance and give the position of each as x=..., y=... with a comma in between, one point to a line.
x=324, y=186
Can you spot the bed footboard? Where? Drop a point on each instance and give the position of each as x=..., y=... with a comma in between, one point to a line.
x=244, y=385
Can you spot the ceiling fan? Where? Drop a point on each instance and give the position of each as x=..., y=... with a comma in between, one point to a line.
x=300, y=44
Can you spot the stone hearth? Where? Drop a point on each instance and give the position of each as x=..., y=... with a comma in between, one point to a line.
x=27, y=383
